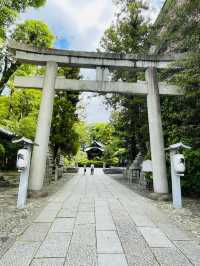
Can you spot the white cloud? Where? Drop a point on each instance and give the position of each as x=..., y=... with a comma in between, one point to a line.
x=81, y=22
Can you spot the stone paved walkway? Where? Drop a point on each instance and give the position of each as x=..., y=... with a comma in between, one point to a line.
x=95, y=221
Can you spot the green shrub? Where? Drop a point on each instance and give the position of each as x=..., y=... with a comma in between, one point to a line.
x=2, y=150
x=191, y=180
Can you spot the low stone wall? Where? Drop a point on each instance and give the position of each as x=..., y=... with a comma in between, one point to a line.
x=113, y=170
x=71, y=170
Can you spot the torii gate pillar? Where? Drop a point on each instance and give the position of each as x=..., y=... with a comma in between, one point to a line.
x=156, y=133
x=38, y=163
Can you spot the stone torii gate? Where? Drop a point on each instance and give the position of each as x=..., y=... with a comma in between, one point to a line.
x=102, y=62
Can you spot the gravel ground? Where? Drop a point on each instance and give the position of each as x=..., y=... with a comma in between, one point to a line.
x=187, y=218
x=13, y=221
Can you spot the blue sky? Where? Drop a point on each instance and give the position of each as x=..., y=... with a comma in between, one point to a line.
x=79, y=25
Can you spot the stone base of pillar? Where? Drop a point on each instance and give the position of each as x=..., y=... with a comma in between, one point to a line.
x=37, y=194
x=160, y=196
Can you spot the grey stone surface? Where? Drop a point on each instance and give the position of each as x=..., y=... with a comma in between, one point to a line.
x=125, y=226
x=104, y=222
x=20, y=254
x=54, y=205
x=108, y=242
x=85, y=218
x=191, y=249
x=63, y=225
x=86, y=208
x=112, y=260
x=54, y=246
x=82, y=250
x=170, y=256
x=83, y=59
x=173, y=232
x=141, y=220
x=39, y=154
x=135, y=248
x=111, y=204
x=71, y=203
x=35, y=232
x=155, y=237
x=67, y=213
x=46, y=216
x=48, y=262
x=89, y=85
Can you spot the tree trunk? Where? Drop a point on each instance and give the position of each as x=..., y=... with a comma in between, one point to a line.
x=7, y=73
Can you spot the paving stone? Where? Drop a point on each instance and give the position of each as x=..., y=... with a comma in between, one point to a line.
x=125, y=226
x=112, y=260
x=20, y=254
x=86, y=208
x=67, y=213
x=63, y=225
x=54, y=205
x=46, y=216
x=108, y=242
x=85, y=218
x=100, y=211
x=82, y=250
x=87, y=200
x=173, y=232
x=141, y=220
x=104, y=222
x=155, y=237
x=190, y=249
x=54, y=246
x=135, y=247
x=137, y=224
x=100, y=203
x=35, y=232
x=48, y=262
x=170, y=256
x=70, y=205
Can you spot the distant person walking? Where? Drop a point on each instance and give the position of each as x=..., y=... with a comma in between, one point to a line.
x=84, y=169
x=92, y=169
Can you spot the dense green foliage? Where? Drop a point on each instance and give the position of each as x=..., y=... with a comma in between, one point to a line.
x=181, y=114
x=129, y=34
x=9, y=10
x=19, y=111
x=32, y=32
x=63, y=135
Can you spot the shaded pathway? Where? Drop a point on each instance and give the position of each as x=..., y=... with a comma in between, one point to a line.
x=94, y=220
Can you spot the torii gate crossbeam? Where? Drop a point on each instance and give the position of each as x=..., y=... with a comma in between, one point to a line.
x=63, y=84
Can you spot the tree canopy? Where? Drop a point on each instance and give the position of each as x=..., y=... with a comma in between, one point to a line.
x=32, y=32
x=10, y=9
x=129, y=34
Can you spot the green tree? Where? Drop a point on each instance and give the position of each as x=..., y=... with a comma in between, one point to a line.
x=179, y=31
x=64, y=137
x=10, y=9
x=31, y=32
x=82, y=129
x=101, y=132
x=20, y=111
x=129, y=34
